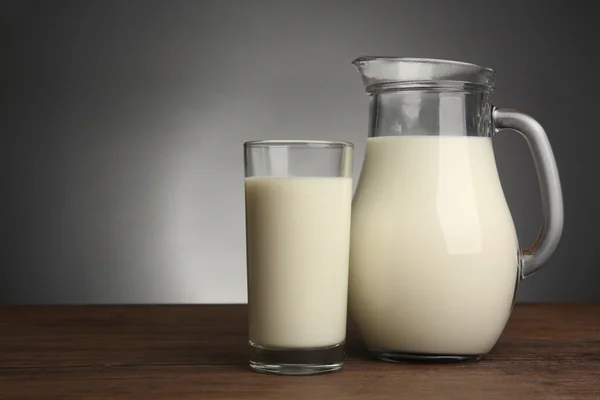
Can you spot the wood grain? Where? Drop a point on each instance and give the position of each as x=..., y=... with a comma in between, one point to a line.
x=549, y=351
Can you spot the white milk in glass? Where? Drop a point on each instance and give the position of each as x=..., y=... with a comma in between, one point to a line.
x=298, y=232
x=434, y=249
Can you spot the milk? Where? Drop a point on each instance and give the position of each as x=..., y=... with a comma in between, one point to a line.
x=298, y=232
x=434, y=250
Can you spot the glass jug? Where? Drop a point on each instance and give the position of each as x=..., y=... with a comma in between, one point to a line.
x=434, y=259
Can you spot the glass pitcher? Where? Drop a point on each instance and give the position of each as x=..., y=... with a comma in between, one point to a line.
x=434, y=260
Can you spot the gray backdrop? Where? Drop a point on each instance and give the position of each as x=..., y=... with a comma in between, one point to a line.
x=122, y=126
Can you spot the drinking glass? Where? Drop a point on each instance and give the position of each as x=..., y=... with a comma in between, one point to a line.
x=298, y=206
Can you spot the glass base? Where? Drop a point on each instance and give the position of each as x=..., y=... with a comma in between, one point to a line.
x=296, y=361
x=392, y=356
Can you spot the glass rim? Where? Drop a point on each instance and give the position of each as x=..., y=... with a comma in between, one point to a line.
x=299, y=143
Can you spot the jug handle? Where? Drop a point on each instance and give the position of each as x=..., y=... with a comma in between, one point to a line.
x=550, y=189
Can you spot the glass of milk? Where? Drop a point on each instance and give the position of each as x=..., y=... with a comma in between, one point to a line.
x=298, y=207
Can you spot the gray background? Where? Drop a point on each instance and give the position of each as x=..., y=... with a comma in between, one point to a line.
x=122, y=124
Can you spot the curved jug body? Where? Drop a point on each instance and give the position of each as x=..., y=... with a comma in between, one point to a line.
x=434, y=260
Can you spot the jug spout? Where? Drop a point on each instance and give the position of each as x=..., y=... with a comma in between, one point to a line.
x=423, y=96
x=382, y=73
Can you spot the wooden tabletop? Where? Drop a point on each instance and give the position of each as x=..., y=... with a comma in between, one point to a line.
x=199, y=352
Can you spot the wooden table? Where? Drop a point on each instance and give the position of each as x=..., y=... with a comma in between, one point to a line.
x=199, y=352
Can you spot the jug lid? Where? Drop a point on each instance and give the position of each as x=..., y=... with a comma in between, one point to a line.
x=383, y=73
